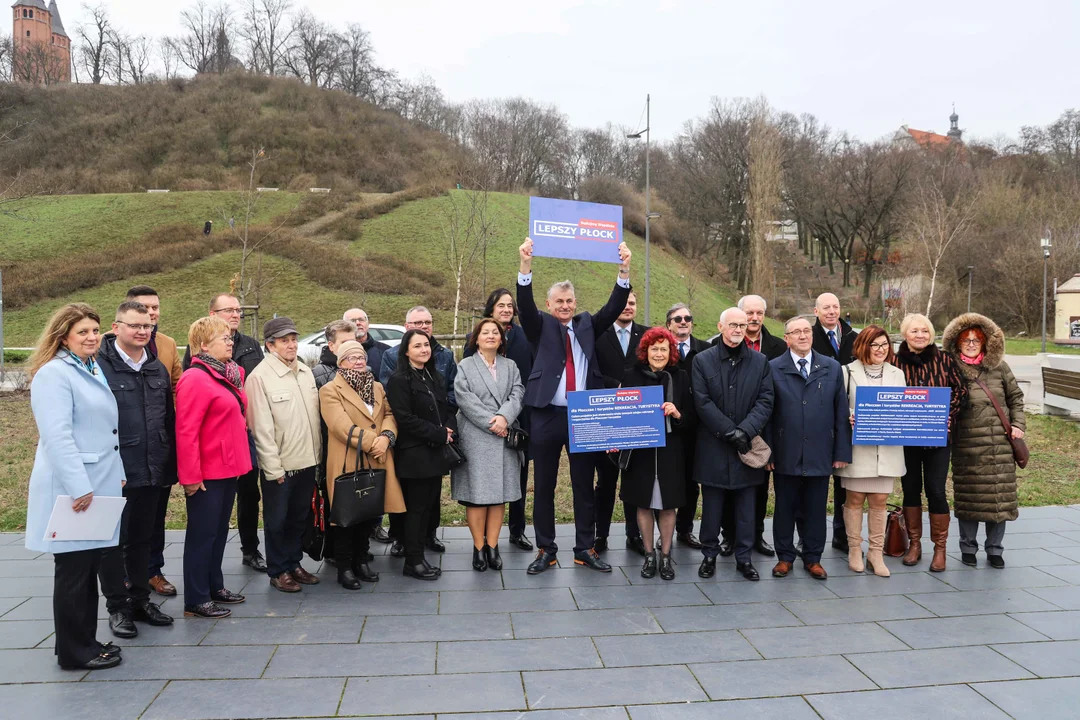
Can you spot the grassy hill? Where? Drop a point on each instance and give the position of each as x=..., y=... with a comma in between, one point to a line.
x=407, y=236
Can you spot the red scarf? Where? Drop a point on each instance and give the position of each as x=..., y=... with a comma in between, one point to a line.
x=977, y=360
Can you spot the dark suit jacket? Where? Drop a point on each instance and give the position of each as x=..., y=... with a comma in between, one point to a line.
x=613, y=364
x=687, y=363
x=548, y=338
x=809, y=428
x=773, y=347
x=845, y=341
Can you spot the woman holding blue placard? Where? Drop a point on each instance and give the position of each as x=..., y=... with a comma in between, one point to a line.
x=874, y=468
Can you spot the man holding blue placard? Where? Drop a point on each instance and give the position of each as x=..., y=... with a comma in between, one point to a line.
x=564, y=343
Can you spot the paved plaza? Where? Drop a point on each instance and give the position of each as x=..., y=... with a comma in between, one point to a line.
x=574, y=643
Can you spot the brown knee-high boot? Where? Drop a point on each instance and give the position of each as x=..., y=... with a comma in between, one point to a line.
x=853, y=525
x=913, y=521
x=874, y=556
x=939, y=533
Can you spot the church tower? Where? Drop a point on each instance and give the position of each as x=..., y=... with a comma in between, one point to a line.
x=954, y=128
x=42, y=46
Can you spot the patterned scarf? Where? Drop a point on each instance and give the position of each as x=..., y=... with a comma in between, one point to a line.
x=977, y=360
x=361, y=381
x=228, y=370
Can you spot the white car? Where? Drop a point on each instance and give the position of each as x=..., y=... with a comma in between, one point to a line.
x=311, y=345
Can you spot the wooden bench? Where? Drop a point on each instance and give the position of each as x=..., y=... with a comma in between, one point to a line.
x=1061, y=391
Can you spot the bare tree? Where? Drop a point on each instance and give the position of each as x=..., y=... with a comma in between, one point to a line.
x=169, y=59
x=314, y=51
x=765, y=176
x=204, y=40
x=137, y=55
x=37, y=63
x=357, y=72
x=6, y=52
x=95, y=49
x=467, y=226
x=265, y=29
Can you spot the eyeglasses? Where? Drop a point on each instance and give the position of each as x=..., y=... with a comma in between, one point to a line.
x=227, y=339
x=737, y=326
x=682, y=318
x=228, y=311
x=357, y=320
x=420, y=323
x=137, y=326
x=971, y=342
x=353, y=359
x=804, y=331
x=879, y=346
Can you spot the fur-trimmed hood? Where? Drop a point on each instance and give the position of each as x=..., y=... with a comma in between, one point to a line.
x=993, y=353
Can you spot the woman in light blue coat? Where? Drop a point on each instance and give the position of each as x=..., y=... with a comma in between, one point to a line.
x=77, y=456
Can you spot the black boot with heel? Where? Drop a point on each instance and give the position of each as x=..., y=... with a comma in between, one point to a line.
x=479, y=559
x=494, y=560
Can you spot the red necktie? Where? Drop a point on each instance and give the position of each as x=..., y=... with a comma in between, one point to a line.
x=571, y=372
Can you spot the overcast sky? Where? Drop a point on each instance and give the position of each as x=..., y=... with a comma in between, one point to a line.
x=866, y=66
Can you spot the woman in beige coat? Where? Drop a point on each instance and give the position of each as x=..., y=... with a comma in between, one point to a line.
x=353, y=399
x=873, y=468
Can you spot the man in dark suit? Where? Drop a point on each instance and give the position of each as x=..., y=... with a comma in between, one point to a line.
x=810, y=436
x=834, y=339
x=680, y=323
x=616, y=350
x=564, y=360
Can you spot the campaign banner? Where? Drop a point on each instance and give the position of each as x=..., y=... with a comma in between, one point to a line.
x=575, y=230
x=902, y=416
x=619, y=418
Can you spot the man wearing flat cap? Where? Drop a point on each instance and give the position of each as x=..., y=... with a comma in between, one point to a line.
x=283, y=415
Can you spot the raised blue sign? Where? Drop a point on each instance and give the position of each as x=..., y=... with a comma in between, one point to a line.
x=575, y=230
x=916, y=416
x=619, y=419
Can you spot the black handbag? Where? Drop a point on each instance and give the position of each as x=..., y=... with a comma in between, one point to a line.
x=452, y=455
x=315, y=528
x=517, y=439
x=358, y=495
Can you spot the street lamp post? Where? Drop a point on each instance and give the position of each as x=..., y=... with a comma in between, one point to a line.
x=1045, y=243
x=648, y=215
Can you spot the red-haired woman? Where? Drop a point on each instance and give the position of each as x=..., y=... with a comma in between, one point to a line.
x=655, y=479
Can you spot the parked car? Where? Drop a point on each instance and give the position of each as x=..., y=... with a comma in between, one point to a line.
x=311, y=345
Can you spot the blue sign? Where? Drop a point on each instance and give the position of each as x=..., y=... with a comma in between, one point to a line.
x=575, y=230
x=902, y=416
x=619, y=418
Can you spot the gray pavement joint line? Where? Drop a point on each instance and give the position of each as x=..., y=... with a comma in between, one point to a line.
x=859, y=670
x=752, y=645
x=157, y=695
x=1049, y=602
x=990, y=700
x=1021, y=621
x=592, y=639
x=341, y=697
x=908, y=597
x=17, y=606
x=1016, y=662
x=1055, y=552
x=268, y=661
x=898, y=639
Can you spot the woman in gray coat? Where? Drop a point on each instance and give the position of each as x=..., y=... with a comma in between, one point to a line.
x=489, y=397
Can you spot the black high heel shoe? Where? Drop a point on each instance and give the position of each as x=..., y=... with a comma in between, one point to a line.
x=479, y=562
x=494, y=559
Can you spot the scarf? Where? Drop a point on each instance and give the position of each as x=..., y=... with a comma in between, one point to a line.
x=228, y=370
x=663, y=379
x=361, y=381
x=977, y=360
x=923, y=357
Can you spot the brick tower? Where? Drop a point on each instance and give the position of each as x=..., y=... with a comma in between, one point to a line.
x=42, y=46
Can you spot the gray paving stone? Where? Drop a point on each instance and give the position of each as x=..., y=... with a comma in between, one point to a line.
x=433, y=628
x=1040, y=524
x=948, y=702
x=617, y=686
x=352, y=660
x=12, y=538
x=764, y=709
x=1073, y=535
x=1026, y=557
x=34, y=666
x=608, y=713
x=78, y=701
x=596, y=598
x=980, y=602
x=41, y=608
x=9, y=604
x=944, y=666
x=349, y=603
x=283, y=631
x=772, y=678
x=990, y=579
x=860, y=609
x=183, y=631
x=211, y=699
x=674, y=648
x=277, y=605
x=471, y=580
x=1035, y=699
x=28, y=587
x=584, y=623
x=899, y=584
x=1068, y=573
x=433, y=694
x=1022, y=541
x=821, y=640
x=18, y=552
x=724, y=617
x=1045, y=659
x=1061, y=625
x=737, y=593
x=189, y=663
x=958, y=631
x=25, y=633
x=485, y=656
x=1066, y=598
x=482, y=601
x=568, y=577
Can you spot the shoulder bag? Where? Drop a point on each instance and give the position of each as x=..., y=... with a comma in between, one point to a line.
x=452, y=455
x=358, y=495
x=896, y=535
x=1020, y=450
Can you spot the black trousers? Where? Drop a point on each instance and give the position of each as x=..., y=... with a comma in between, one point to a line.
x=839, y=495
x=684, y=518
x=130, y=558
x=927, y=467
x=208, y=514
x=810, y=497
x=715, y=504
x=286, y=506
x=157, y=540
x=550, y=435
x=761, y=504
x=607, y=478
x=397, y=520
x=351, y=544
x=421, y=494
x=75, y=603
x=517, y=507
x=247, y=511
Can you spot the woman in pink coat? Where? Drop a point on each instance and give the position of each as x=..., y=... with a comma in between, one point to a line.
x=213, y=449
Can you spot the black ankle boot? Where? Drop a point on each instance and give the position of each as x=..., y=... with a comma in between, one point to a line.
x=494, y=560
x=365, y=573
x=667, y=572
x=347, y=579
x=479, y=561
x=648, y=570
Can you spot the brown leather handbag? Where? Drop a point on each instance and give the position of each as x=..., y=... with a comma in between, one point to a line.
x=896, y=536
x=1020, y=450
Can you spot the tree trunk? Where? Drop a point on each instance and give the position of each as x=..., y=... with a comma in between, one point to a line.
x=457, y=298
x=869, y=269
x=930, y=297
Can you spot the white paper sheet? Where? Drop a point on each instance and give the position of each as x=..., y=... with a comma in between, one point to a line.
x=97, y=522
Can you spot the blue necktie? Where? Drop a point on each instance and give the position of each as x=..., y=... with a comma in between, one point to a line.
x=624, y=340
x=802, y=369
x=682, y=350
x=832, y=341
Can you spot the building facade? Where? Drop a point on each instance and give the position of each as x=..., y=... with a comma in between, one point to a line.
x=42, y=48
